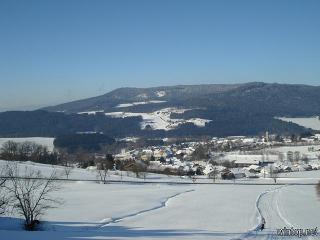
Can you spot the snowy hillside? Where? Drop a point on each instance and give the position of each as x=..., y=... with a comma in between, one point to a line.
x=123, y=105
x=169, y=211
x=161, y=119
x=311, y=122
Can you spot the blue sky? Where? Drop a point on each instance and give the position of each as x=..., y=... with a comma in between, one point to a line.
x=61, y=50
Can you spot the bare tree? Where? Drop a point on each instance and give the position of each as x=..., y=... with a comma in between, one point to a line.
x=193, y=178
x=67, y=171
x=31, y=194
x=9, y=150
x=273, y=173
x=297, y=156
x=139, y=169
x=4, y=199
x=3, y=196
x=64, y=157
x=290, y=156
x=27, y=151
x=214, y=174
x=102, y=170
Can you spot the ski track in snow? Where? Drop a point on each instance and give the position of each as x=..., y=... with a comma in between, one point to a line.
x=253, y=233
x=162, y=205
x=278, y=220
x=267, y=207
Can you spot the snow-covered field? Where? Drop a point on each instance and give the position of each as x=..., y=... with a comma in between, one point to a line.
x=170, y=211
x=311, y=151
x=91, y=112
x=161, y=119
x=48, y=142
x=122, y=105
x=157, y=120
x=311, y=122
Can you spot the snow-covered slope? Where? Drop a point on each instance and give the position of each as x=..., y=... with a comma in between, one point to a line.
x=311, y=122
x=161, y=119
x=123, y=105
x=168, y=211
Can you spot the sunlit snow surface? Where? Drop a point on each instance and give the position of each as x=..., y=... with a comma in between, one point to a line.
x=161, y=93
x=170, y=211
x=138, y=103
x=311, y=122
x=161, y=119
x=157, y=120
x=91, y=112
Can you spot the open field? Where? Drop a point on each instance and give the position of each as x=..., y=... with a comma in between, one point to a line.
x=171, y=211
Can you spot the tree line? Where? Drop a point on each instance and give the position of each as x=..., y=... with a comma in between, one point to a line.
x=28, y=151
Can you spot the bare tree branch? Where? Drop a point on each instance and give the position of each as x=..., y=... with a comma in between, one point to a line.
x=4, y=199
x=31, y=195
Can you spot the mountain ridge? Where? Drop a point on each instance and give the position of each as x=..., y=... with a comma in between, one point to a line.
x=89, y=102
x=174, y=111
x=208, y=95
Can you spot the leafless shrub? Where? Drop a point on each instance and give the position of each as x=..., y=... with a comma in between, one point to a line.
x=274, y=174
x=3, y=196
x=67, y=171
x=214, y=174
x=102, y=170
x=139, y=169
x=30, y=194
x=194, y=179
x=9, y=150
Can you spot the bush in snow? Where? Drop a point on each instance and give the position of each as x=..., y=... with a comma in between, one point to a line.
x=139, y=169
x=102, y=170
x=30, y=194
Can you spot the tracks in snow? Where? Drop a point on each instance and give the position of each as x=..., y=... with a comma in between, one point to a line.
x=162, y=205
x=263, y=208
x=267, y=206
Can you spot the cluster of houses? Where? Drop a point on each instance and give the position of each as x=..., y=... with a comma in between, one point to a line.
x=232, y=157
